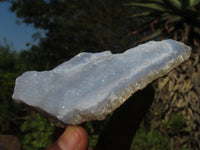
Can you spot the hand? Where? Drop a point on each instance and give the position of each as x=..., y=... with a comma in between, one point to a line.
x=73, y=138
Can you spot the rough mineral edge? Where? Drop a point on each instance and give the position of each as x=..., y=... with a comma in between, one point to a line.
x=100, y=110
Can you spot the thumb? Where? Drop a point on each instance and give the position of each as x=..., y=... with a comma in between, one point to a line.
x=73, y=138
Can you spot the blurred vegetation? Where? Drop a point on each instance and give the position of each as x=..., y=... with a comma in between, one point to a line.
x=37, y=132
x=149, y=138
x=176, y=124
x=176, y=19
x=74, y=26
x=8, y=72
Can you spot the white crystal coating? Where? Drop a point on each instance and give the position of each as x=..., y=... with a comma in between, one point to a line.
x=91, y=85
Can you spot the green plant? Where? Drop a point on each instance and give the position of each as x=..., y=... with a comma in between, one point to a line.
x=8, y=108
x=93, y=136
x=151, y=140
x=9, y=118
x=176, y=124
x=37, y=132
x=177, y=19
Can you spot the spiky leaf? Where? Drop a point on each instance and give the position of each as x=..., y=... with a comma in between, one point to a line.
x=194, y=2
x=153, y=6
x=170, y=17
x=175, y=3
x=152, y=36
x=141, y=14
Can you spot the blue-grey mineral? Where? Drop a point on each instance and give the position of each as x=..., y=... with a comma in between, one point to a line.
x=91, y=85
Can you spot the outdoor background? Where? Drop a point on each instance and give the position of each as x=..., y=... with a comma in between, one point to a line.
x=46, y=33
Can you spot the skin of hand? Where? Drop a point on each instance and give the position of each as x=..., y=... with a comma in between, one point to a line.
x=73, y=138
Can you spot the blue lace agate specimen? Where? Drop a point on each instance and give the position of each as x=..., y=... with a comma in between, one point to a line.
x=91, y=85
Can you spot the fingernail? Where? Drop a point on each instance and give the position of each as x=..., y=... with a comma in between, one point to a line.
x=70, y=140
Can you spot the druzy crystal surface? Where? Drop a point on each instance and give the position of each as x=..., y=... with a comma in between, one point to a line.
x=91, y=85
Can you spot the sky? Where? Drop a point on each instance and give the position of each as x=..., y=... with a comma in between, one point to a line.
x=15, y=35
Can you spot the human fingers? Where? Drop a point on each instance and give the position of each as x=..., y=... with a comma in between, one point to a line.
x=73, y=138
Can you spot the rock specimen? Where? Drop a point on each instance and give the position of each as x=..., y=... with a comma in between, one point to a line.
x=91, y=85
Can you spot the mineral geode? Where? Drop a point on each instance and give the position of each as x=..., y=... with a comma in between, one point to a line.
x=91, y=85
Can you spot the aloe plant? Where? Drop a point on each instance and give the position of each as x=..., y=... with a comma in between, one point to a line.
x=177, y=19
